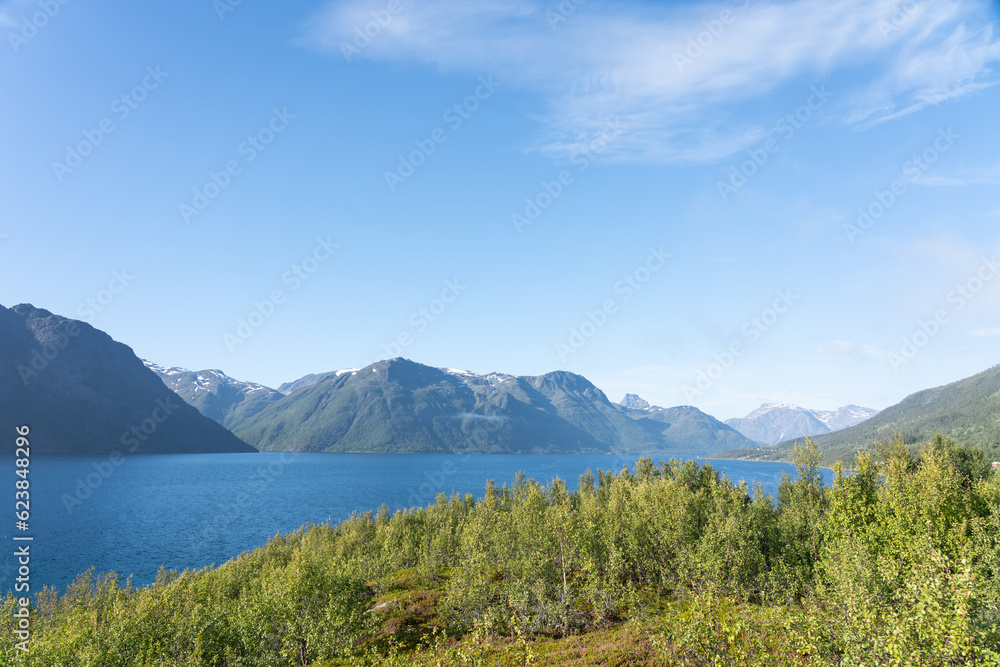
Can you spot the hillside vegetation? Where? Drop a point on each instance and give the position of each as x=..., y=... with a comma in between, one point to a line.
x=967, y=410
x=671, y=564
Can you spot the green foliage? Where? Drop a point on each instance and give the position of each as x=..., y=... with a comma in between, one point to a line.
x=897, y=564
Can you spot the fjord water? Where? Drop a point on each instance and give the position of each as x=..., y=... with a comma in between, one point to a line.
x=190, y=511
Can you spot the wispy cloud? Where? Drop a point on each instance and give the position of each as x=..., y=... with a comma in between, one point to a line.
x=983, y=176
x=493, y=419
x=986, y=332
x=946, y=55
x=688, y=81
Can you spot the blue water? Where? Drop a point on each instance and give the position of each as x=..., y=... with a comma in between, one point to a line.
x=189, y=511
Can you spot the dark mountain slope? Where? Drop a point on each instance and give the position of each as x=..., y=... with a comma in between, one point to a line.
x=83, y=393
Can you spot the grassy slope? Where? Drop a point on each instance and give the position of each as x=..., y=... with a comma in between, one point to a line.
x=679, y=631
x=414, y=632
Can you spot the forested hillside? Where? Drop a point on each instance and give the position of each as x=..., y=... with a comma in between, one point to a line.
x=967, y=410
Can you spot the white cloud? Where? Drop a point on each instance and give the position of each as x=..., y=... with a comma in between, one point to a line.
x=944, y=58
x=627, y=62
x=986, y=332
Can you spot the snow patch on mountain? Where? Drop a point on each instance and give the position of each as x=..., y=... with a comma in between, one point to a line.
x=164, y=370
x=215, y=394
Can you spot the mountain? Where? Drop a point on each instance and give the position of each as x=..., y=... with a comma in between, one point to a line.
x=402, y=406
x=309, y=380
x=215, y=394
x=634, y=402
x=81, y=392
x=967, y=410
x=772, y=423
x=683, y=424
x=845, y=417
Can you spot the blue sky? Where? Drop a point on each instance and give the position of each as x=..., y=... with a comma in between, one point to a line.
x=716, y=204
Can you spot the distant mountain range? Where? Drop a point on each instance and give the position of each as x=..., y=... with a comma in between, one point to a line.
x=81, y=392
x=402, y=406
x=968, y=410
x=216, y=395
x=772, y=423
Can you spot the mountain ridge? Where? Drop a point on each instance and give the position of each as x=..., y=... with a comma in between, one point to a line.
x=216, y=395
x=82, y=392
x=400, y=405
x=772, y=423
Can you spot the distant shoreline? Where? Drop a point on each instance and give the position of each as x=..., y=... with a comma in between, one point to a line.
x=759, y=461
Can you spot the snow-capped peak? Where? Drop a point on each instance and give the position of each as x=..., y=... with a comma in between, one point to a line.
x=765, y=408
x=164, y=370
